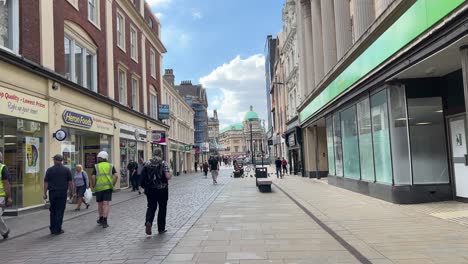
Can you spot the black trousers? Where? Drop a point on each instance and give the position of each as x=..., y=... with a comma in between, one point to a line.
x=58, y=201
x=135, y=181
x=157, y=198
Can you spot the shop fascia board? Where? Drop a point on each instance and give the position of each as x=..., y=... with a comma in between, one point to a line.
x=35, y=68
x=385, y=20
x=459, y=7
x=440, y=37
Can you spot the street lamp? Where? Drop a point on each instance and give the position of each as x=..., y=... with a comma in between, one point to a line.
x=251, y=144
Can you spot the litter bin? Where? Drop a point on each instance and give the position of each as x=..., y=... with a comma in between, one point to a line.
x=261, y=173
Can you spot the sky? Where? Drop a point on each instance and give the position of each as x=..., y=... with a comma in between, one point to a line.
x=220, y=44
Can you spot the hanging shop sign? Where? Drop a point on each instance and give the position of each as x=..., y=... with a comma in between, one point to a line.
x=75, y=118
x=163, y=111
x=158, y=137
x=60, y=135
x=13, y=103
x=292, y=140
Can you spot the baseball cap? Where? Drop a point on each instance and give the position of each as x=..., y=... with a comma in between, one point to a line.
x=58, y=157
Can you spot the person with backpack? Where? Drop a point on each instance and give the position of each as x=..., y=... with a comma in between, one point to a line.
x=81, y=181
x=205, y=169
x=155, y=180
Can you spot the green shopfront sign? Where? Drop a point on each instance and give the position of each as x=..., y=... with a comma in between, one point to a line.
x=415, y=21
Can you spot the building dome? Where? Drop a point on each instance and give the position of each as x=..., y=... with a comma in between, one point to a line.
x=251, y=115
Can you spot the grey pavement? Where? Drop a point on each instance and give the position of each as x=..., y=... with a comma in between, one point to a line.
x=124, y=241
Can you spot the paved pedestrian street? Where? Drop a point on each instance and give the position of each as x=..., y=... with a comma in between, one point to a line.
x=301, y=221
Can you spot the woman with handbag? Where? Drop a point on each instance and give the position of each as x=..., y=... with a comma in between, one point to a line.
x=81, y=181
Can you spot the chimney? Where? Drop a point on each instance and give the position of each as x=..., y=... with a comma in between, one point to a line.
x=186, y=82
x=169, y=76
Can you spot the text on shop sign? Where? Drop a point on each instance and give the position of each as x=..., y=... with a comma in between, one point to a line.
x=76, y=119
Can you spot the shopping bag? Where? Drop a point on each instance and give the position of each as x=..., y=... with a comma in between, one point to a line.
x=88, y=195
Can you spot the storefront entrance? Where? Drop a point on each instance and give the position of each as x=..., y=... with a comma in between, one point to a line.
x=457, y=128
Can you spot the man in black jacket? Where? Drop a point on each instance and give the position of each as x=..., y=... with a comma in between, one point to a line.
x=155, y=178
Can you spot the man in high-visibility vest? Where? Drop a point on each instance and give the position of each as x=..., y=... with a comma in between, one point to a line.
x=103, y=180
x=5, y=196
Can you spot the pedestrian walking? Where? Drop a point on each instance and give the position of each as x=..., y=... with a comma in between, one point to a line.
x=206, y=168
x=284, y=163
x=278, y=164
x=81, y=181
x=5, y=196
x=57, y=180
x=196, y=166
x=132, y=169
x=103, y=180
x=155, y=180
x=214, y=168
x=141, y=164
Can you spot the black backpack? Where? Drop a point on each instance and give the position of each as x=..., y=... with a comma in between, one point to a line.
x=155, y=176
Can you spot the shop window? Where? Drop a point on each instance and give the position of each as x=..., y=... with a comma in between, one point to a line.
x=337, y=145
x=122, y=78
x=153, y=63
x=22, y=145
x=331, y=153
x=120, y=31
x=133, y=44
x=350, y=143
x=399, y=135
x=9, y=25
x=366, y=153
x=381, y=138
x=80, y=63
x=93, y=12
x=428, y=141
x=135, y=94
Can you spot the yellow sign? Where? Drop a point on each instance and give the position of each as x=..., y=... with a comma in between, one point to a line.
x=75, y=118
x=17, y=104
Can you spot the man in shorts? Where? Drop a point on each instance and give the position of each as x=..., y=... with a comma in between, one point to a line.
x=103, y=180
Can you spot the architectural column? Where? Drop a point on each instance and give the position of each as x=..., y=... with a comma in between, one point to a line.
x=317, y=40
x=329, y=35
x=464, y=62
x=110, y=50
x=342, y=27
x=47, y=34
x=380, y=6
x=363, y=16
x=308, y=44
x=301, y=52
x=144, y=83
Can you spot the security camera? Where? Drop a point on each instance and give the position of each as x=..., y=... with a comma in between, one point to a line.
x=55, y=86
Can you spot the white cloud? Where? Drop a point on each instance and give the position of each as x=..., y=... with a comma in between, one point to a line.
x=158, y=3
x=159, y=15
x=196, y=14
x=240, y=83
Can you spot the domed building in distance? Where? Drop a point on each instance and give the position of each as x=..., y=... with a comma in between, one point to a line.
x=241, y=138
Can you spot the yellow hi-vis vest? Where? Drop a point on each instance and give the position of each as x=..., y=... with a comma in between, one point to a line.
x=104, y=178
x=2, y=188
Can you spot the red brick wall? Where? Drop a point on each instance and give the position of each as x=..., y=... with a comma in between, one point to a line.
x=30, y=36
x=156, y=83
x=124, y=58
x=65, y=11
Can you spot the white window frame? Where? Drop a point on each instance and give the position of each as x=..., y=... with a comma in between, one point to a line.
x=97, y=13
x=14, y=31
x=135, y=93
x=133, y=43
x=122, y=96
x=153, y=104
x=122, y=29
x=74, y=3
x=86, y=50
x=153, y=63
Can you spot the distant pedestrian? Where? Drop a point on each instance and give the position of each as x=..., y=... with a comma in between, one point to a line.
x=5, y=196
x=278, y=164
x=132, y=171
x=206, y=168
x=141, y=164
x=57, y=180
x=284, y=163
x=103, y=180
x=155, y=180
x=81, y=181
x=196, y=166
x=214, y=168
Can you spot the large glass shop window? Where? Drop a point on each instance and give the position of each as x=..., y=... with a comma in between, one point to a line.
x=331, y=153
x=366, y=152
x=350, y=143
x=337, y=145
x=381, y=138
x=22, y=145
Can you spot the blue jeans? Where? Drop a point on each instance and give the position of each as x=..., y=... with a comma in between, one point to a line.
x=278, y=172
